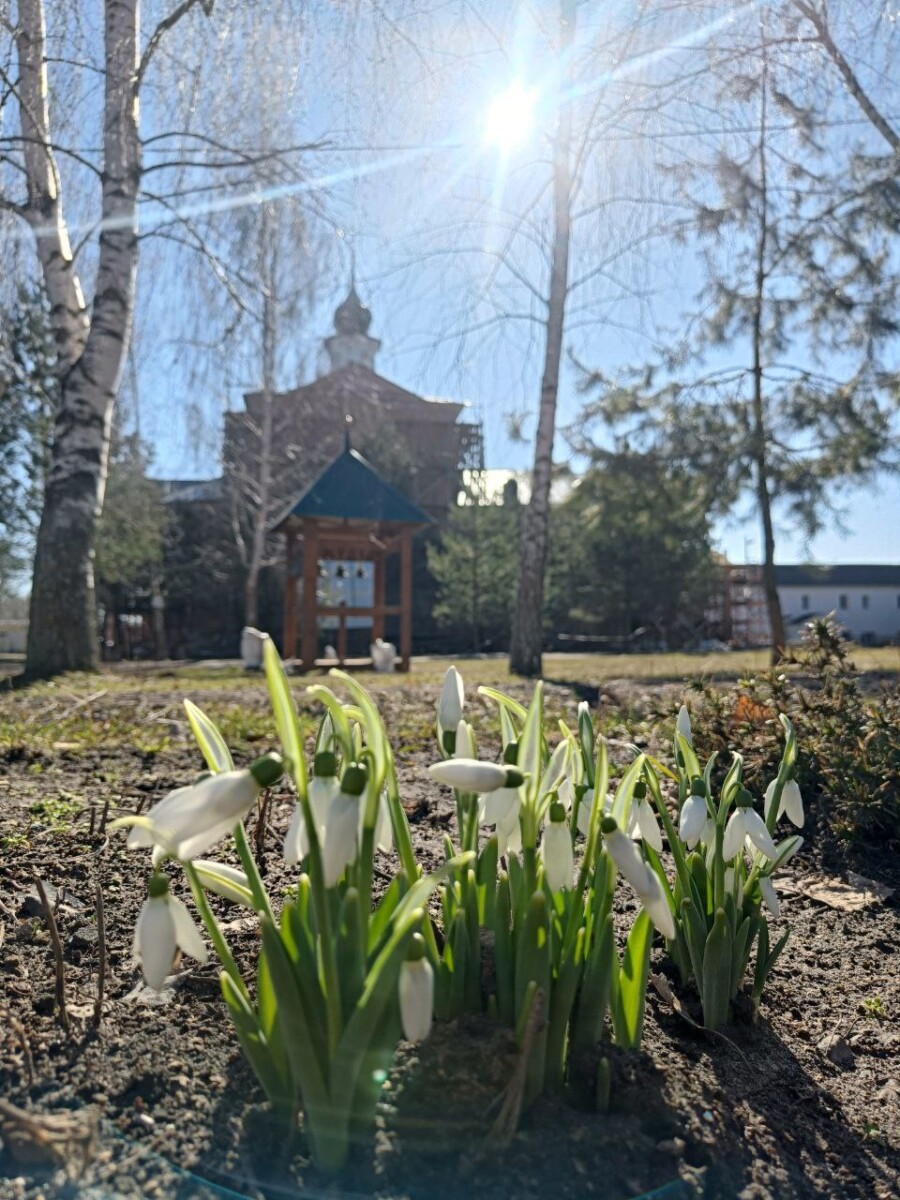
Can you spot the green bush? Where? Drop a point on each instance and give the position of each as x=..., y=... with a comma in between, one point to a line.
x=849, y=759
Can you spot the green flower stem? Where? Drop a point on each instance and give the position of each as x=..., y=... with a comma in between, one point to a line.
x=718, y=871
x=226, y=958
x=248, y=862
x=401, y=825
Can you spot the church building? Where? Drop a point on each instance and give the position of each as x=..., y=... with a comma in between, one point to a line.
x=279, y=445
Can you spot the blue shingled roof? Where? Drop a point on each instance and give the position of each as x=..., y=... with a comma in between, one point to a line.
x=351, y=489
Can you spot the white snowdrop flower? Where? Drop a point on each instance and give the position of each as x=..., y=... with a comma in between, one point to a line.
x=693, y=818
x=323, y=789
x=499, y=806
x=384, y=830
x=657, y=906
x=340, y=845
x=190, y=820
x=164, y=927
x=648, y=826
x=626, y=856
x=683, y=725
x=792, y=803
x=629, y=861
x=769, y=895
x=769, y=798
x=465, y=741
x=450, y=703
x=472, y=775
x=415, y=990
x=743, y=823
x=225, y=881
x=509, y=832
x=556, y=850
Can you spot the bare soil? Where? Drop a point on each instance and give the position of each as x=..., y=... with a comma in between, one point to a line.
x=803, y=1103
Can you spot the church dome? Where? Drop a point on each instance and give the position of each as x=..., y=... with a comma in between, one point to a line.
x=351, y=315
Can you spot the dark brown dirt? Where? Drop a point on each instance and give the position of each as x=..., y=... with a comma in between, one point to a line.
x=804, y=1103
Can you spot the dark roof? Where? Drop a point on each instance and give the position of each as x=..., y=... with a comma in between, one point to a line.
x=844, y=575
x=192, y=491
x=351, y=489
x=356, y=382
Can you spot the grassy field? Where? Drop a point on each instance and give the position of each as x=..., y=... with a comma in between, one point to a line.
x=568, y=668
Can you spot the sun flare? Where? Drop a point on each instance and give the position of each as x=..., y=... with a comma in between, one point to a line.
x=510, y=117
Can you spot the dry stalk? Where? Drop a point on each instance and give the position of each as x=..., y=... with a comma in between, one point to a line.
x=504, y=1128
x=101, y=950
x=57, y=956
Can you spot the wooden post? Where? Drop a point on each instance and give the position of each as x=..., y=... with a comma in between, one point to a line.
x=378, y=598
x=342, y=636
x=289, y=616
x=310, y=631
x=405, y=600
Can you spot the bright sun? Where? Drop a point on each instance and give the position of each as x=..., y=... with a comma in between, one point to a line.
x=510, y=118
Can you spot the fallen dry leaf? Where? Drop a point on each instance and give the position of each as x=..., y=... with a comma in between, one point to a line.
x=850, y=896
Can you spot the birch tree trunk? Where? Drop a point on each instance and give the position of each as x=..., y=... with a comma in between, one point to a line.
x=760, y=431
x=262, y=514
x=62, y=631
x=527, y=632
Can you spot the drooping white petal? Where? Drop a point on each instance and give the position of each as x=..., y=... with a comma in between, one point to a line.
x=755, y=828
x=769, y=896
x=339, y=847
x=584, y=812
x=191, y=820
x=322, y=790
x=156, y=941
x=384, y=831
x=692, y=819
x=769, y=798
x=452, y=698
x=629, y=860
x=683, y=725
x=187, y=935
x=649, y=829
x=558, y=859
x=735, y=832
x=565, y=793
x=139, y=836
x=296, y=840
x=499, y=805
x=657, y=906
x=509, y=833
x=792, y=803
x=469, y=774
x=729, y=880
x=416, y=995
x=228, y=882
x=465, y=741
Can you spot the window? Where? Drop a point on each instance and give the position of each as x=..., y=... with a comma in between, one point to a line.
x=804, y=602
x=842, y=601
x=865, y=601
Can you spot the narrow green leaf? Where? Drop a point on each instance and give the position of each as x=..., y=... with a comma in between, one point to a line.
x=715, y=987
x=286, y=720
x=209, y=739
x=631, y=991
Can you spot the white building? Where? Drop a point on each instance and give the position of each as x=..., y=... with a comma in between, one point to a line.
x=865, y=599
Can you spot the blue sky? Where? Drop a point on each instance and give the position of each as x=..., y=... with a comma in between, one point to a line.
x=401, y=204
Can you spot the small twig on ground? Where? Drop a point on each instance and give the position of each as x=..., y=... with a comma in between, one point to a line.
x=78, y=704
x=101, y=952
x=663, y=989
x=22, y=1037
x=103, y=818
x=65, y=1139
x=57, y=955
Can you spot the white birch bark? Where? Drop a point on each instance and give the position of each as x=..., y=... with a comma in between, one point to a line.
x=62, y=627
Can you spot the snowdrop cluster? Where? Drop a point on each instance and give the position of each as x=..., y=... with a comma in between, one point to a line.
x=526, y=893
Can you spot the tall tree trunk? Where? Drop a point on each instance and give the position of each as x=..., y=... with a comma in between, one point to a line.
x=760, y=433
x=527, y=631
x=62, y=632
x=262, y=514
